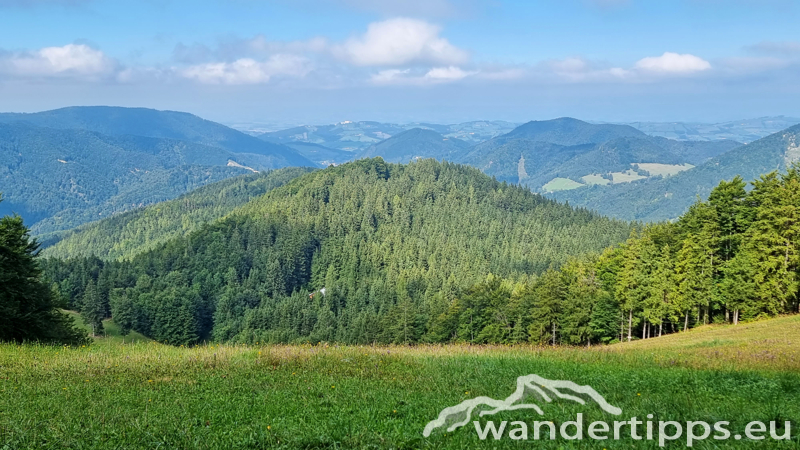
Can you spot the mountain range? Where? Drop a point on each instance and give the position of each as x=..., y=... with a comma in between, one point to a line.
x=355, y=137
x=667, y=198
x=745, y=131
x=66, y=167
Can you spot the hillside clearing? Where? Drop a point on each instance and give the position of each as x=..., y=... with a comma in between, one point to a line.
x=231, y=396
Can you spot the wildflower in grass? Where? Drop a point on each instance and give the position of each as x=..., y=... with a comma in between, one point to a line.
x=269, y=427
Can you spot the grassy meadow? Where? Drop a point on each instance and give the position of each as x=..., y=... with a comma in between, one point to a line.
x=112, y=395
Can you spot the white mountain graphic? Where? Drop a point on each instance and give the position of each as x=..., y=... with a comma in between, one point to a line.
x=461, y=414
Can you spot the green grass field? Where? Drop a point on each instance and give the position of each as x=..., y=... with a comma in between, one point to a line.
x=664, y=169
x=561, y=184
x=147, y=395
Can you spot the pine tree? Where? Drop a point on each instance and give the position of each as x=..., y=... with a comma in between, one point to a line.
x=547, y=308
x=122, y=310
x=28, y=307
x=659, y=305
x=92, y=308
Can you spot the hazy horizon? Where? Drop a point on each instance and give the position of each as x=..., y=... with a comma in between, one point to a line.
x=442, y=61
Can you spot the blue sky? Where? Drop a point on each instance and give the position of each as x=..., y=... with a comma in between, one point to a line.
x=320, y=61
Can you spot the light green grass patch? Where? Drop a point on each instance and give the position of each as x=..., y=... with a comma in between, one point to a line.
x=561, y=184
x=666, y=170
x=626, y=177
x=111, y=332
x=594, y=179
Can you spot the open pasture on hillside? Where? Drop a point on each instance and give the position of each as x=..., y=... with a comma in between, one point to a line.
x=149, y=395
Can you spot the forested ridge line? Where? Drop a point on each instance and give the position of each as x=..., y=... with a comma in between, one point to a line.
x=360, y=253
x=127, y=234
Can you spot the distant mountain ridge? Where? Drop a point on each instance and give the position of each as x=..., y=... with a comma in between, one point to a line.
x=663, y=199
x=69, y=166
x=117, y=121
x=416, y=143
x=568, y=131
x=142, y=229
x=567, y=153
x=745, y=131
x=357, y=136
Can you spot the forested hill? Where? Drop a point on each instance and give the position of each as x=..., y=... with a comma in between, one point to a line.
x=668, y=198
x=569, y=131
x=125, y=235
x=117, y=121
x=359, y=253
x=58, y=179
x=564, y=154
x=417, y=143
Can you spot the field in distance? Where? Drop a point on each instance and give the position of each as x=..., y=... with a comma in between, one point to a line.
x=149, y=395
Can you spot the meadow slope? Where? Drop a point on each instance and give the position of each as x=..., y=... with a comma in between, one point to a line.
x=149, y=395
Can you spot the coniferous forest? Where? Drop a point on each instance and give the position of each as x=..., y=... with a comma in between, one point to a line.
x=431, y=252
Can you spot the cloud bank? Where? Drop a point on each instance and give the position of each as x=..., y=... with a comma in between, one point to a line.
x=71, y=60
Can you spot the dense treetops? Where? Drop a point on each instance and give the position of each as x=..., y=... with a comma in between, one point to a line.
x=133, y=232
x=383, y=241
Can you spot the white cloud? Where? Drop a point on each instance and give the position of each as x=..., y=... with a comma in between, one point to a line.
x=435, y=75
x=247, y=70
x=389, y=76
x=576, y=69
x=400, y=41
x=70, y=60
x=673, y=63
x=501, y=74
x=451, y=73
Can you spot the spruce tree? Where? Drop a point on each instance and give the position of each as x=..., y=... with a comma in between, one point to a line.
x=28, y=308
x=92, y=308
